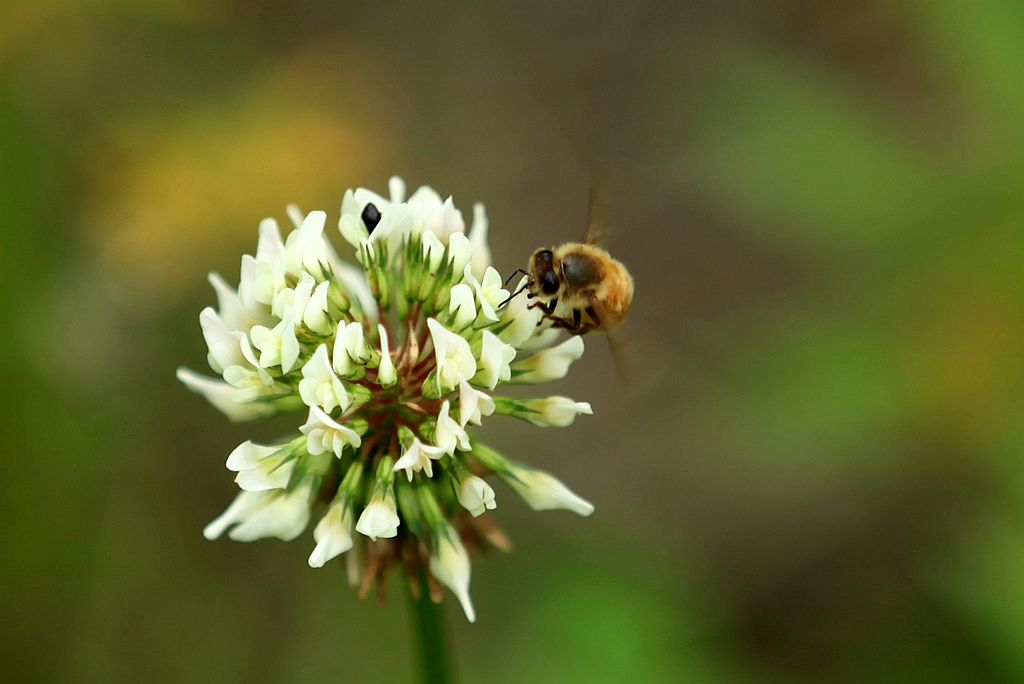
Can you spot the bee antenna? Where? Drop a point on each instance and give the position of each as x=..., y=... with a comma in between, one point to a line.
x=514, y=273
x=515, y=294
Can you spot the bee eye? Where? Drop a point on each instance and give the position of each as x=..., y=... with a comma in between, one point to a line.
x=549, y=282
x=370, y=216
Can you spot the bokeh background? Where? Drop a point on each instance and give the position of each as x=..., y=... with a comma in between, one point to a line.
x=817, y=474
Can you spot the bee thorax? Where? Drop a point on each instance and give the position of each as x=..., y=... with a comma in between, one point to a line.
x=581, y=270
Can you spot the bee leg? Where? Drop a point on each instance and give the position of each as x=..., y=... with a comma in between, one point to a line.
x=548, y=308
x=572, y=326
x=577, y=318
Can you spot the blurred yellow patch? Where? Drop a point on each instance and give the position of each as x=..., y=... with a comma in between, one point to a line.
x=194, y=188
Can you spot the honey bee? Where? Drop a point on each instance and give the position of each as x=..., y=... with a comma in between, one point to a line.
x=578, y=285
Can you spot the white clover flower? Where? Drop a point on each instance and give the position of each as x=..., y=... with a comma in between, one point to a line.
x=319, y=385
x=283, y=514
x=259, y=515
x=549, y=364
x=450, y=565
x=547, y=412
x=475, y=495
x=439, y=217
x=519, y=322
x=315, y=314
x=242, y=507
x=543, y=491
x=418, y=457
x=305, y=251
x=449, y=435
x=495, y=357
x=462, y=306
x=230, y=309
x=395, y=351
x=454, y=357
x=220, y=394
x=473, y=404
x=333, y=535
x=295, y=297
x=265, y=277
x=489, y=293
x=351, y=350
x=380, y=517
x=261, y=467
x=224, y=347
x=280, y=346
x=324, y=435
x=251, y=381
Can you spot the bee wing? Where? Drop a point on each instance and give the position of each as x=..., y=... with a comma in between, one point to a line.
x=599, y=218
x=615, y=342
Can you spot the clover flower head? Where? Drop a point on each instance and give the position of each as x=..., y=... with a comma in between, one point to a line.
x=392, y=357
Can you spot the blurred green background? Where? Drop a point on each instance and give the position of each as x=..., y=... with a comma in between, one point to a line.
x=818, y=473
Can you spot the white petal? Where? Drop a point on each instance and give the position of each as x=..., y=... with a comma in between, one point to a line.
x=333, y=536
x=396, y=188
x=554, y=411
x=221, y=340
x=379, y=518
x=495, y=357
x=550, y=364
x=480, y=249
x=353, y=279
x=453, y=356
x=295, y=214
x=426, y=199
x=463, y=304
x=289, y=346
x=231, y=309
x=475, y=495
x=324, y=434
x=449, y=435
x=352, y=229
x=459, y=252
x=315, y=316
x=543, y=491
x=450, y=565
x=386, y=373
x=446, y=221
x=220, y=394
x=270, y=244
x=245, y=503
x=247, y=455
x=284, y=515
x=521, y=320
x=319, y=385
x=473, y=404
x=433, y=250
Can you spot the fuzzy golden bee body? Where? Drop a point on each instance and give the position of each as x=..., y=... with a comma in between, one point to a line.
x=580, y=287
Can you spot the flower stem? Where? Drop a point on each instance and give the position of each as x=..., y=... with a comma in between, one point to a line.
x=430, y=644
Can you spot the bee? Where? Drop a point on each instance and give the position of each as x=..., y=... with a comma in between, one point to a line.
x=578, y=285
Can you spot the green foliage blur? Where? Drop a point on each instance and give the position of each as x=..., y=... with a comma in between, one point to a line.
x=817, y=472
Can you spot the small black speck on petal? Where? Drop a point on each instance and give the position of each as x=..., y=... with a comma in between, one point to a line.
x=370, y=216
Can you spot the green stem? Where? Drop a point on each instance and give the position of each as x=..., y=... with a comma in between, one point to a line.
x=428, y=636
